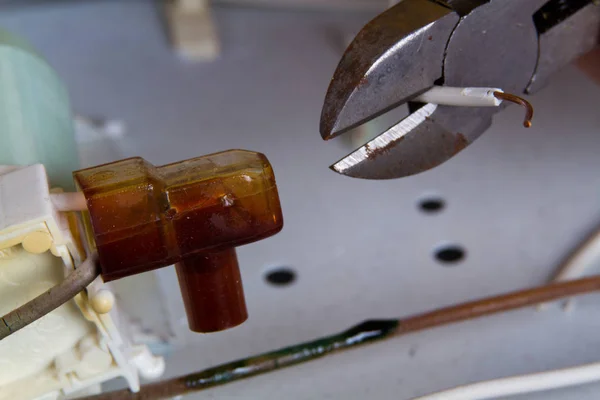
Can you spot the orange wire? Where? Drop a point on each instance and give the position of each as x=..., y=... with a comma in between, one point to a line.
x=520, y=101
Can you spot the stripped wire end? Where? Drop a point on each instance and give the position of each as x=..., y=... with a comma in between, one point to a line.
x=473, y=97
x=520, y=101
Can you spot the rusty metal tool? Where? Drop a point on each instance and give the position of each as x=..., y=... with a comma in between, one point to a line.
x=516, y=45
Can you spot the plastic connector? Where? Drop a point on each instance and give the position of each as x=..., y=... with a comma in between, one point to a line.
x=191, y=213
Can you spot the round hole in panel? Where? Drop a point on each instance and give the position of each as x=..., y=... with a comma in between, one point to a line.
x=432, y=204
x=450, y=254
x=283, y=276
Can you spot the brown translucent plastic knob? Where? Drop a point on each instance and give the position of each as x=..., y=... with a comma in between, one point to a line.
x=192, y=214
x=212, y=291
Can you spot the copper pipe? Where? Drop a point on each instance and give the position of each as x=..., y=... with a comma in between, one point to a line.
x=363, y=333
x=494, y=305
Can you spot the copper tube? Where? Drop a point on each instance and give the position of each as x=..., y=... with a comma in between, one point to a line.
x=366, y=332
x=494, y=305
x=211, y=287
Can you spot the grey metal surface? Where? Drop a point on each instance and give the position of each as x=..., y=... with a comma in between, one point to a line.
x=517, y=202
x=463, y=7
x=405, y=148
x=565, y=42
x=397, y=55
x=493, y=45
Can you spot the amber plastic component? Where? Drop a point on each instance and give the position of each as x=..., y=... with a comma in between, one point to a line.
x=191, y=213
x=212, y=291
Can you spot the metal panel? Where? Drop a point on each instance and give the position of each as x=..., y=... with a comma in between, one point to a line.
x=517, y=201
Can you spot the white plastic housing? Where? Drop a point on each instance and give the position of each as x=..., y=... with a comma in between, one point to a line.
x=73, y=349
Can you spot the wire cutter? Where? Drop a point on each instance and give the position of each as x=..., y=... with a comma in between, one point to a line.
x=516, y=45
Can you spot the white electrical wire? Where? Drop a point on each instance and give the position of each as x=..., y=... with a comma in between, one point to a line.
x=464, y=97
x=69, y=201
x=522, y=384
x=473, y=97
x=584, y=257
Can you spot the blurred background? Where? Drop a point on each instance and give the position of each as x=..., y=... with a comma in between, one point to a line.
x=509, y=208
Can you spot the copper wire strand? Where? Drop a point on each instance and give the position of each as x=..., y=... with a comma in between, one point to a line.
x=520, y=101
x=372, y=330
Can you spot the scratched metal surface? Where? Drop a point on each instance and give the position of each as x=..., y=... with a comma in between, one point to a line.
x=518, y=201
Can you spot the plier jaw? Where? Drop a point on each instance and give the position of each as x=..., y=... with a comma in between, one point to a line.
x=515, y=45
x=396, y=56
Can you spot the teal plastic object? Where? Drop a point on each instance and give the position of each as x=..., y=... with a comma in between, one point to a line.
x=36, y=125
